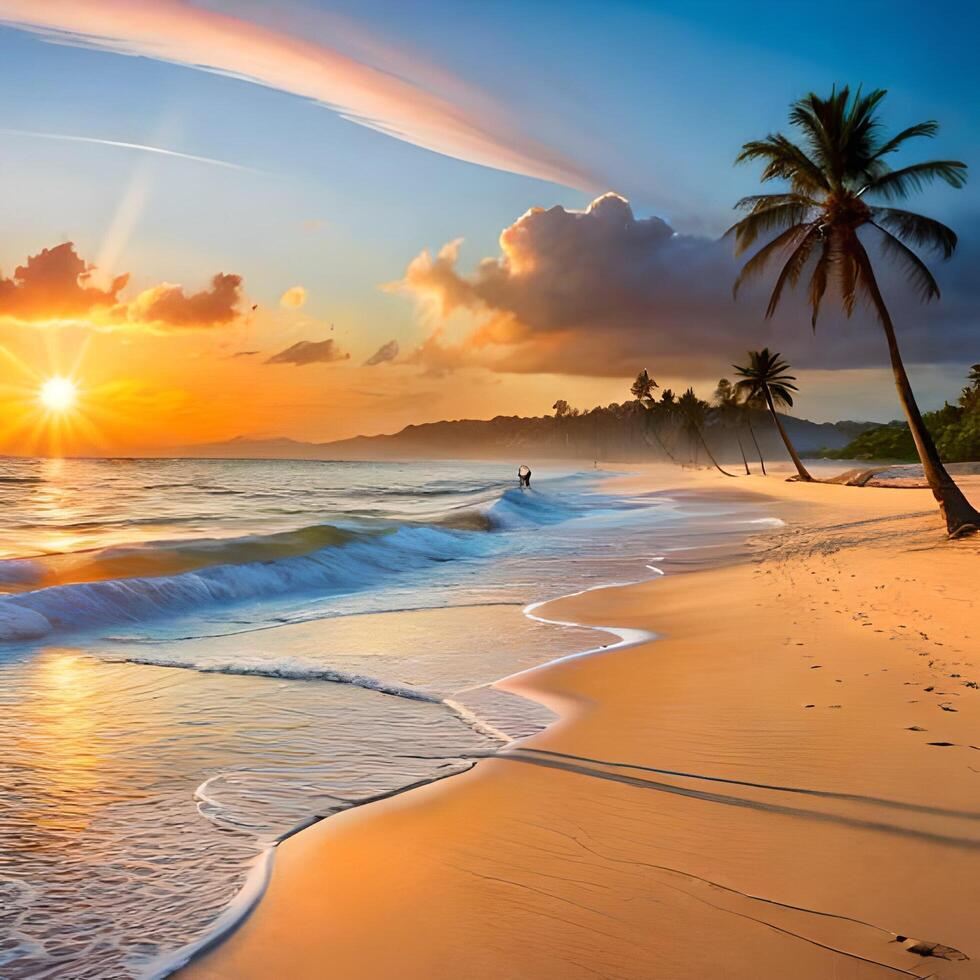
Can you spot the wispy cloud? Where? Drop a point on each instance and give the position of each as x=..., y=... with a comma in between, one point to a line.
x=422, y=106
x=142, y=147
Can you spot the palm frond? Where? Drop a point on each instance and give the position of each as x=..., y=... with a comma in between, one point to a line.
x=916, y=272
x=780, y=393
x=818, y=280
x=900, y=183
x=926, y=129
x=794, y=267
x=785, y=161
x=916, y=229
x=846, y=276
x=761, y=202
x=774, y=218
x=757, y=264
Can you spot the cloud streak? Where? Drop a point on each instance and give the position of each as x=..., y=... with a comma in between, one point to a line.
x=417, y=112
x=142, y=147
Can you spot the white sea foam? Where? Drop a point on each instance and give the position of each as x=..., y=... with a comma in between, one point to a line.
x=292, y=669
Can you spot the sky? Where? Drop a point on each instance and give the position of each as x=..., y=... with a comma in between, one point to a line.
x=316, y=219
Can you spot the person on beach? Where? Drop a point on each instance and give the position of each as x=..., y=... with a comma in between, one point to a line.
x=524, y=475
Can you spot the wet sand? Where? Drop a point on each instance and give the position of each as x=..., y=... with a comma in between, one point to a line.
x=785, y=782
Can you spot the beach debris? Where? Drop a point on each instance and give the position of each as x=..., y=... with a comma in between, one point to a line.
x=915, y=728
x=944, y=744
x=946, y=706
x=938, y=950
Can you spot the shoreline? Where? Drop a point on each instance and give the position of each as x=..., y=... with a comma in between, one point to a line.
x=269, y=939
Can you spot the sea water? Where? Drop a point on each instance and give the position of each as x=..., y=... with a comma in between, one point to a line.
x=197, y=656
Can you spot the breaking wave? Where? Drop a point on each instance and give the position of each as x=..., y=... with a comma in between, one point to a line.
x=132, y=584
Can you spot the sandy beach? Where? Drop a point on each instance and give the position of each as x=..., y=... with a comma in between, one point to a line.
x=785, y=781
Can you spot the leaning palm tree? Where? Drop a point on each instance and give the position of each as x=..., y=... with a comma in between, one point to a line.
x=766, y=378
x=824, y=215
x=730, y=409
x=693, y=412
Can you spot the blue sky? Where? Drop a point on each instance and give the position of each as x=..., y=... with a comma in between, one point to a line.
x=654, y=99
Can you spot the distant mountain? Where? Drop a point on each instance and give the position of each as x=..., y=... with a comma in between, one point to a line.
x=617, y=433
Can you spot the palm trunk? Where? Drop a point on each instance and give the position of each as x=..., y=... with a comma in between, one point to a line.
x=652, y=426
x=762, y=462
x=960, y=516
x=800, y=468
x=741, y=449
x=710, y=456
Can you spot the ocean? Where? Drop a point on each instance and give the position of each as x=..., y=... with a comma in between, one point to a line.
x=199, y=656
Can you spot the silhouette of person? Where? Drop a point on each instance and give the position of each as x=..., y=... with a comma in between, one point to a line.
x=524, y=475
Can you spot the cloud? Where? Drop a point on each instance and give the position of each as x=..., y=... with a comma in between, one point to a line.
x=56, y=285
x=385, y=353
x=309, y=352
x=380, y=89
x=600, y=292
x=293, y=298
x=167, y=304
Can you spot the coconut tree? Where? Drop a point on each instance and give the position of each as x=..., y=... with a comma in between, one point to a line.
x=730, y=409
x=766, y=378
x=693, y=413
x=836, y=174
x=642, y=390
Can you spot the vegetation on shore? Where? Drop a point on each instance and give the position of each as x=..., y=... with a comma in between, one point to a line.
x=954, y=428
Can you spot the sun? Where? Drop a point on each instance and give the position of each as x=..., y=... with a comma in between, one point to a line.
x=58, y=394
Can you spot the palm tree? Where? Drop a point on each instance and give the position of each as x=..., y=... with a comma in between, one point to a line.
x=839, y=166
x=766, y=378
x=730, y=409
x=642, y=390
x=693, y=411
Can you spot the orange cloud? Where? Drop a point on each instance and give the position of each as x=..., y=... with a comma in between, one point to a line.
x=55, y=285
x=168, y=305
x=293, y=298
x=383, y=91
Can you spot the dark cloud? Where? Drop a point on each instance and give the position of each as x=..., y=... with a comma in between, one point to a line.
x=386, y=352
x=55, y=284
x=245, y=353
x=309, y=352
x=598, y=292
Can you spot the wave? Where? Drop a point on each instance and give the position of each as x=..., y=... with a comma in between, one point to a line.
x=290, y=668
x=360, y=561
x=132, y=584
